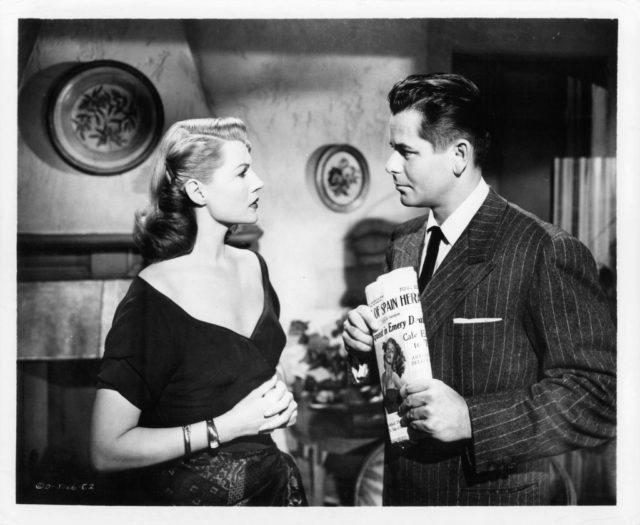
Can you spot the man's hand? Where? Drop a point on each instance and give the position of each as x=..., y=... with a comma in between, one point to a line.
x=358, y=327
x=435, y=409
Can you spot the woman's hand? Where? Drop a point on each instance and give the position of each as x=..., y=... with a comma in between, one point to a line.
x=283, y=411
x=267, y=407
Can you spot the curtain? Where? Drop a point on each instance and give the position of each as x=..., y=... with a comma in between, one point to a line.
x=584, y=203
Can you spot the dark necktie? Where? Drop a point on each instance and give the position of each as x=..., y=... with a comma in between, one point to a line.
x=430, y=260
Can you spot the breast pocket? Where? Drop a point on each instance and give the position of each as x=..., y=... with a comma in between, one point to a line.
x=490, y=355
x=477, y=349
x=464, y=328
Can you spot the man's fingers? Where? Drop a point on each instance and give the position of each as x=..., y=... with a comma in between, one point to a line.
x=419, y=430
x=415, y=386
x=414, y=400
x=414, y=414
x=362, y=318
x=363, y=344
x=366, y=313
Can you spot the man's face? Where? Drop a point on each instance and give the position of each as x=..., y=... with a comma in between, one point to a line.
x=422, y=176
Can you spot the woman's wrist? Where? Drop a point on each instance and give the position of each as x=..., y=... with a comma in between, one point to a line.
x=200, y=437
x=224, y=427
x=197, y=436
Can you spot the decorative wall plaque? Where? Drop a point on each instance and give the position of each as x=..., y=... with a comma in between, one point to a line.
x=341, y=177
x=105, y=117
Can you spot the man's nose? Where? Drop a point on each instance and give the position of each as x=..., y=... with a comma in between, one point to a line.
x=392, y=167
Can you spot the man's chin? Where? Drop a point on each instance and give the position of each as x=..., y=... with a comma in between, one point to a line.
x=406, y=200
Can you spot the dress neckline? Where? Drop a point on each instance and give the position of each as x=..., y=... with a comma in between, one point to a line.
x=216, y=325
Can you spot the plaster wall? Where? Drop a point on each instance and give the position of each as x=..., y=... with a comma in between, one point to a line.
x=54, y=197
x=300, y=85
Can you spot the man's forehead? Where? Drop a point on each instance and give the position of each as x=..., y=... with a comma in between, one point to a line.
x=405, y=127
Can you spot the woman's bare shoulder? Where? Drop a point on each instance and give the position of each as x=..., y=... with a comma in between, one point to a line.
x=163, y=275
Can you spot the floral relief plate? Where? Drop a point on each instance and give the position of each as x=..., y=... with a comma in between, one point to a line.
x=105, y=117
x=341, y=177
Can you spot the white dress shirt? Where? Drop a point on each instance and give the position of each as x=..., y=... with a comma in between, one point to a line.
x=456, y=223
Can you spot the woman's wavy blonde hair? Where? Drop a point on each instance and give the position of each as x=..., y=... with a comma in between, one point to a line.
x=190, y=149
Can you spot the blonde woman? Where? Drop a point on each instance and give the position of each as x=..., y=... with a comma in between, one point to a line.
x=187, y=390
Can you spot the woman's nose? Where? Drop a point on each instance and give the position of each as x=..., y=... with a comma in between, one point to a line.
x=258, y=183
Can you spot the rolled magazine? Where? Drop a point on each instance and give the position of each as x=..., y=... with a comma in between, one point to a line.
x=400, y=344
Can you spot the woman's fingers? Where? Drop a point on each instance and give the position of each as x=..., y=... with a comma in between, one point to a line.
x=286, y=417
x=278, y=402
x=266, y=386
x=293, y=418
x=276, y=393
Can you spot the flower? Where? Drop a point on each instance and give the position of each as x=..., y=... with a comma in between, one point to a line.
x=327, y=367
x=326, y=357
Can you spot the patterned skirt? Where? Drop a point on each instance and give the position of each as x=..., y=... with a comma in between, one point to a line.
x=267, y=477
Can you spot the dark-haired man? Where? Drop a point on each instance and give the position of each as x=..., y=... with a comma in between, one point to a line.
x=521, y=341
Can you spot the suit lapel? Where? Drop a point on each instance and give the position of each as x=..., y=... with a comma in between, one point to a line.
x=468, y=262
x=409, y=251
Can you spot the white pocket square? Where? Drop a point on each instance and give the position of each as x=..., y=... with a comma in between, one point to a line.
x=464, y=320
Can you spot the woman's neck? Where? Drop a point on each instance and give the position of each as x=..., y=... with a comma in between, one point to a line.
x=209, y=246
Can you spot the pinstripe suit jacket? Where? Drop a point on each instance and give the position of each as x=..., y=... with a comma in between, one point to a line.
x=539, y=382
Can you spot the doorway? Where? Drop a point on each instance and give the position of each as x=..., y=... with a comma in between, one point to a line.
x=541, y=108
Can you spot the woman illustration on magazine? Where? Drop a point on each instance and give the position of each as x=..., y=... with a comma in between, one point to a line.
x=390, y=379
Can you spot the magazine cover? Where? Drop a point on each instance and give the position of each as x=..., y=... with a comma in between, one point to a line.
x=401, y=342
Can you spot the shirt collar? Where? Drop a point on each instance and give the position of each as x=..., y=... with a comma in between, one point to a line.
x=456, y=223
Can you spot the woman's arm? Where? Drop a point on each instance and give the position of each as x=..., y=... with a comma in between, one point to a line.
x=396, y=380
x=118, y=443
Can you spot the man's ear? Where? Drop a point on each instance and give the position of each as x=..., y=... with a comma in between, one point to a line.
x=194, y=192
x=462, y=151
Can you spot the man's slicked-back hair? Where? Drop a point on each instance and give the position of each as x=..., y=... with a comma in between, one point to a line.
x=450, y=106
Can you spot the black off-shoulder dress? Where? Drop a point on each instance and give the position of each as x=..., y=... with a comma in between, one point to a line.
x=179, y=370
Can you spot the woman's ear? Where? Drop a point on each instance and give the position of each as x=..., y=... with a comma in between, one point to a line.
x=462, y=151
x=194, y=192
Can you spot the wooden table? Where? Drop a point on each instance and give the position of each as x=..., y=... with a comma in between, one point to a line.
x=337, y=429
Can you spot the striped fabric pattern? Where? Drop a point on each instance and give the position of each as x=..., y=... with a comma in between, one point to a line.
x=537, y=370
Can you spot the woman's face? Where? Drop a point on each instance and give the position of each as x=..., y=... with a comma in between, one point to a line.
x=388, y=355
x=232, y=192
